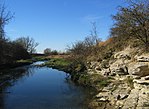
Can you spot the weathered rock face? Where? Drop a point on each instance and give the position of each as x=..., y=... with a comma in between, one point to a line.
x=128, y=93
x=139, y=69
x=122, y=96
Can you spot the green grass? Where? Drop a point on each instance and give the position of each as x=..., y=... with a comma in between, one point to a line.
x=58, y=63
x=40, y=58
x=24, y=61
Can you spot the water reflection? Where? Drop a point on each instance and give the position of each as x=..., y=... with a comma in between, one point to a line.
x=39, y=88
x=7, y=79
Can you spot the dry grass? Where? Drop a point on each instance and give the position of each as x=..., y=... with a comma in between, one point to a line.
x=58, y=56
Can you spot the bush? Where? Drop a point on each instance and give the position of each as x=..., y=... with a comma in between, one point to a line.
x=10, y=52
x=77, y=66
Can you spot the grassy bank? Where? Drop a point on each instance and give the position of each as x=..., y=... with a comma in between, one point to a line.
x=58, y=63
x=40, y=58
x=66, y=65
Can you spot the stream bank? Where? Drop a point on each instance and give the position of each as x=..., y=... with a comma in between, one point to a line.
x=121, y=82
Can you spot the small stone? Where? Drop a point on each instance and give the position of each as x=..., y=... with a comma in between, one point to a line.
x=124, y=97
x=102, y=100
x=99, y=95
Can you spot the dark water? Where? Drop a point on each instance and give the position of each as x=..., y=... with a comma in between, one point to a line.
x=39, y=88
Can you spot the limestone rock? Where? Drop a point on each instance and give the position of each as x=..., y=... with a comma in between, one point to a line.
x=112, y=74
x=139, y=69
x=106, y=72
x=102, y=94
x=120, y=70
x=144, y=82
x=119, y=104
x=143, y=101
x=108, y=88
x=146, y=78
x=136, y=77
x=142, y=58
x=132, y=100
x=122, y=55
x=103, y=99
x=123, y=96
x=93, y=65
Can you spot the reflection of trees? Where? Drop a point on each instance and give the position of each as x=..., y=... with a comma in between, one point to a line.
x=1, y=100
x=11, y=77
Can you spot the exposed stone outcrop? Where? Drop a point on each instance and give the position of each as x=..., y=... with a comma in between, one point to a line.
x=129, y=88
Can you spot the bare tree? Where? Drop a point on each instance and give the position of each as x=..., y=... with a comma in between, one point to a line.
x=94, y=34
x=28, y=43
x=82, y=49
x=9, y=51
x=133, y=21
x=5, y=17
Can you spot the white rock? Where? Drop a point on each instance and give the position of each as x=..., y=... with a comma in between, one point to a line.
x=102, y=100
x=146, y=78
x=144, y=82
x=142, y=58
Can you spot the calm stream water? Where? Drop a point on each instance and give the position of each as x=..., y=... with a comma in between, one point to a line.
x=31, y=87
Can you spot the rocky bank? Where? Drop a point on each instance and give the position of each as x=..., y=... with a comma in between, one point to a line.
x=129, y=86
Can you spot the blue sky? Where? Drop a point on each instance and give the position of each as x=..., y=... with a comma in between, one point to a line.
x=57, y=23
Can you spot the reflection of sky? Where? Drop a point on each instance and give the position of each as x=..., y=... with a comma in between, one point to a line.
x=45, y=88
x=57, y=23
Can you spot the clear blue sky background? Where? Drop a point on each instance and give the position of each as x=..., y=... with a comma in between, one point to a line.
x=57, y=23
